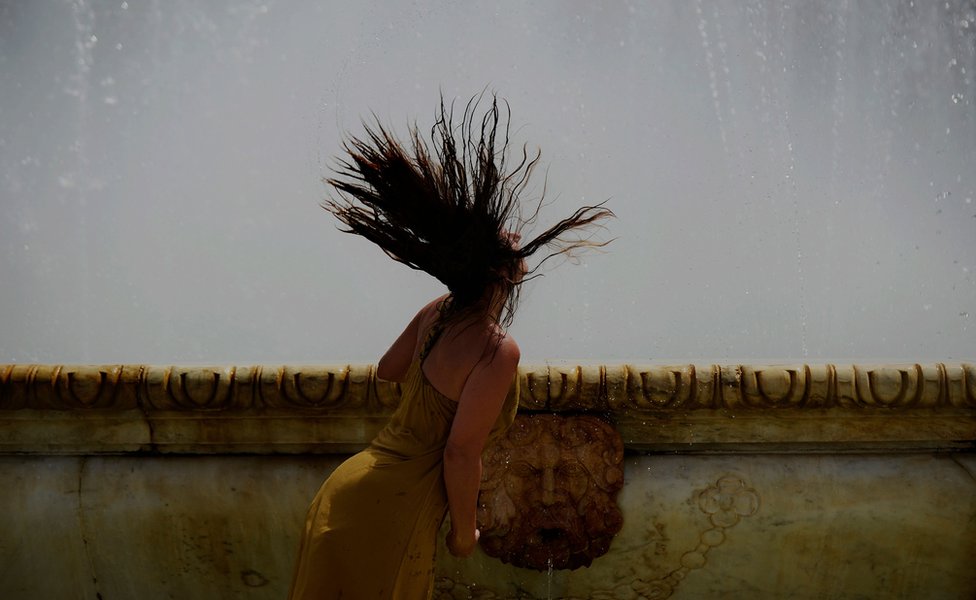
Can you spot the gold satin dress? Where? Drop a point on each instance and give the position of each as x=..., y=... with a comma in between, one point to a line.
x=371, y=531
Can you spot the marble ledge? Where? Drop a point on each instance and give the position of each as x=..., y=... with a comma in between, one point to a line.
x=336, y=409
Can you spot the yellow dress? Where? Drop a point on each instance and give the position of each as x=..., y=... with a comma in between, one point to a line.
x=371, y=530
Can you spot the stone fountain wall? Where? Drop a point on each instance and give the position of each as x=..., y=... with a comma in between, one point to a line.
x=760, y=481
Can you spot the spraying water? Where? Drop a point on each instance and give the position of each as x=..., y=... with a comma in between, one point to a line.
x=785, y=175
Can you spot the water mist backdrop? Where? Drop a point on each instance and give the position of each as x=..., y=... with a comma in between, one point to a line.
x=792, y=181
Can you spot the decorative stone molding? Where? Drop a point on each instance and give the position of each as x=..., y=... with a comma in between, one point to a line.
x=82, y=409
x=331, y=388
x=639, y=388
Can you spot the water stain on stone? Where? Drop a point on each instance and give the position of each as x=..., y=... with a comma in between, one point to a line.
x=252, y=578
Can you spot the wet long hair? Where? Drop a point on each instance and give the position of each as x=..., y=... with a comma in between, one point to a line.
x=451, y=207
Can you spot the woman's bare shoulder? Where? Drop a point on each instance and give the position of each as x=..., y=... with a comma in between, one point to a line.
x=429, y=312
x=511, y=348
x=433, y=306
x=502, y=355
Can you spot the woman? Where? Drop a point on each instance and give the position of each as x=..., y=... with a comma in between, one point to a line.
x=452, y=211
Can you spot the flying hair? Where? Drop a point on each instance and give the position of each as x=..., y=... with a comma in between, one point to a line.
x=452, y=207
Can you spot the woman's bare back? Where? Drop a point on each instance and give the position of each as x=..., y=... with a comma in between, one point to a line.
x=458, y=349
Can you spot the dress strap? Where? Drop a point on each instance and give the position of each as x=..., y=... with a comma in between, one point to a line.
x=433, y=333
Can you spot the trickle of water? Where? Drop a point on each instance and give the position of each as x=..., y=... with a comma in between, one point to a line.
x=549, y=586
x=713, y=74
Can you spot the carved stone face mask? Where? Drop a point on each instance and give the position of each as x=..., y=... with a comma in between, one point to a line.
x=548, y=494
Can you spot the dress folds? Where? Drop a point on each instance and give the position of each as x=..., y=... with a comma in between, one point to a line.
x=371, y=530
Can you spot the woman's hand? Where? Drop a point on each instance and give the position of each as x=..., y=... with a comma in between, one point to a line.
x=462, y=545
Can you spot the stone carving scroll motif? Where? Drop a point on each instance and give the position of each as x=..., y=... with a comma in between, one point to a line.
x=70, y=387
x=620, y=388
x=195, y=389
x=548, y=494
x=653, y=388
x=827, y=386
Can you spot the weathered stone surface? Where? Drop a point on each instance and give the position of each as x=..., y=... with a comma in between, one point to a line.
x=188, y=528
x=43, y=548
x=759, y=526
x=152, y=528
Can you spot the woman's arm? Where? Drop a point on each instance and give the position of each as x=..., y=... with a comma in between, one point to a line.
x=478, y=408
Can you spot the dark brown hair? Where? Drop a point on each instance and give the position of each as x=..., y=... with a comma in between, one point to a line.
x=449, y=208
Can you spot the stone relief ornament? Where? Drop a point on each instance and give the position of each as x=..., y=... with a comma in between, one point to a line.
x=724, y=504
x=549, y=490
x=633, y=389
